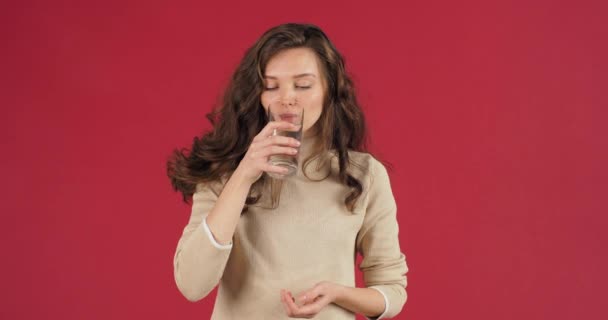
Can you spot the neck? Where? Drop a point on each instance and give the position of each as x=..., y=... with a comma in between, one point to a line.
x=311, y=132
x=310, y=138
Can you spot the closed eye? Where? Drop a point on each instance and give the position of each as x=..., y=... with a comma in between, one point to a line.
x=297, y=87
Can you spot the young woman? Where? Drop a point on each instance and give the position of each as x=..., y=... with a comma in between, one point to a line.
x=262, y=239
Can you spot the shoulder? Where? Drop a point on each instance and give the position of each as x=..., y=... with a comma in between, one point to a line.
x=367, y=164
x=213, y=187
x=364, y=166
x=373, y=176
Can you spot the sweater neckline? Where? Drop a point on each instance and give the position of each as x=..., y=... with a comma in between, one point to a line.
x=308, y=142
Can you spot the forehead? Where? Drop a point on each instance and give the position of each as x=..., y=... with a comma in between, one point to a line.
x=290, y=62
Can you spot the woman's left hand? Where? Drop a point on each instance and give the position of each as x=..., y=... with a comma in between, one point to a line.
x=310, y=302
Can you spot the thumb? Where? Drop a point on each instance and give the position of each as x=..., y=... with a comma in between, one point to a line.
x=307, y=297
x=302, y=299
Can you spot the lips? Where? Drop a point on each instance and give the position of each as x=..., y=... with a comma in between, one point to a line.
x=288, y=117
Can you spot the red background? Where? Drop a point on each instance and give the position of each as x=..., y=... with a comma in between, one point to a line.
x=492, y=112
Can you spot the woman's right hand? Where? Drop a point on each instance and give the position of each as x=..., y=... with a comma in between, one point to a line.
x=255, y=161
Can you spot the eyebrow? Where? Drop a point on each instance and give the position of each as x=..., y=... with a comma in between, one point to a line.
x=296, y=76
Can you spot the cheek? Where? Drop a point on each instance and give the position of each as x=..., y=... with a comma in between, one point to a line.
x=316, y=99
x=265, y=99
x=314, y=105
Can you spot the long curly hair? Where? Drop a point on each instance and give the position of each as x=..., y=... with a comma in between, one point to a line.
x=239, y=117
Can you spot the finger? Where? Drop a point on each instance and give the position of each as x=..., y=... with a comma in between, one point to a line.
x=269, y=150
x=267, y=130
x=315, y=307
x=308, y=296
x=290, y=300
x=280, y=140
x=301, y=299
x=284, y=303
x=273, y=169
x=292, y=307
x=300, y=311
x=264, y=153
x=304, y=298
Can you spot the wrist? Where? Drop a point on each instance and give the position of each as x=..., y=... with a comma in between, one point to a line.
x=239, y=178
x=339, y=291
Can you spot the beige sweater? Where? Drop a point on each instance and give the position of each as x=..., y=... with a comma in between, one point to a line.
x=310, y=237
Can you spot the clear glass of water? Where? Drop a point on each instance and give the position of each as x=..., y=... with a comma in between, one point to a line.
x=293, y=114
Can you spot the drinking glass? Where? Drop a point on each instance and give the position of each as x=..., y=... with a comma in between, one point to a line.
x=293, y=114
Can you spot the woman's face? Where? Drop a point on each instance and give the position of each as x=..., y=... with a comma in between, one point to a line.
x=293, y=76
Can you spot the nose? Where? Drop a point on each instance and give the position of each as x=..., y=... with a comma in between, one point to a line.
x=289, y=98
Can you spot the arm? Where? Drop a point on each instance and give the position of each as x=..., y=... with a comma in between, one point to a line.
x=366, y=301
x=384, y=267
x=204, y=247
x=383, y=264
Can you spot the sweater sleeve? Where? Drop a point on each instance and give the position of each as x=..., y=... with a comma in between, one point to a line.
x=199, y=259
x=384, y=267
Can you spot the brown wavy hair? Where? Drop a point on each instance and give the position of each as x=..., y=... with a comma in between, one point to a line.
x=239, y=117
